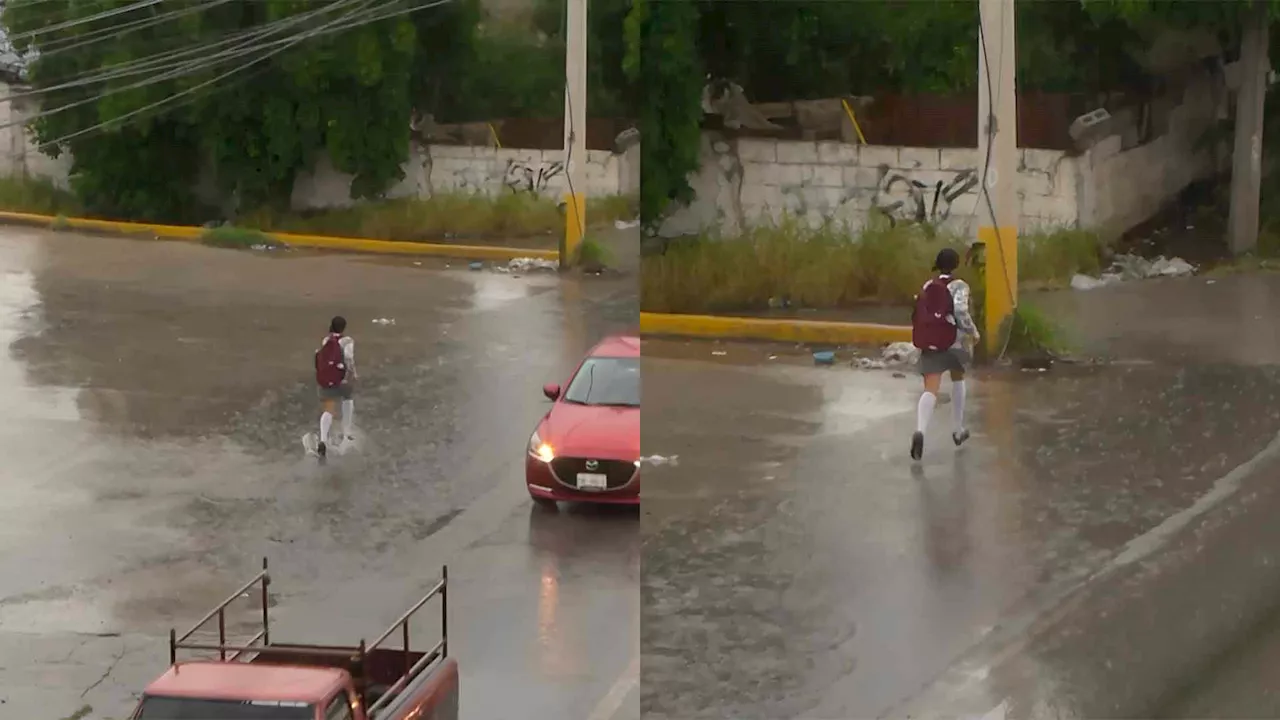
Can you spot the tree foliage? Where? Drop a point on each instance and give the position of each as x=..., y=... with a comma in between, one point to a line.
x=805, y=50
x=512, y=72
x=663, y=62
x=349, y=94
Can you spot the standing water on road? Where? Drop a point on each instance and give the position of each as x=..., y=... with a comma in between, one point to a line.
x=157, y=393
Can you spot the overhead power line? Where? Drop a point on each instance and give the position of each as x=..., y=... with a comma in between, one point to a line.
x=336, y=25
x=203, y=52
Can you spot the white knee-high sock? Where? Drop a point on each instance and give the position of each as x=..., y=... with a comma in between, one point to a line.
x=957, y=405
x=348, y=416
x=326, y=422
x=924, y=411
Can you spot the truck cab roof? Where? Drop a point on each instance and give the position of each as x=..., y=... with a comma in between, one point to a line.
x=214, y=680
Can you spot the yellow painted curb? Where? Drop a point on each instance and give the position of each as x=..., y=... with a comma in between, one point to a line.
x=779, y=329
x=361, y=245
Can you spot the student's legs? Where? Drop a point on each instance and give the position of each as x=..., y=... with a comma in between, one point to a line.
x=928, y=400
x=348, y=416
x=958, y=389
x=924, y=411
x=326, y=419
x=959, y=433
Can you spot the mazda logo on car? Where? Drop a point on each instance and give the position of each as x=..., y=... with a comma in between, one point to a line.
x=593, y=465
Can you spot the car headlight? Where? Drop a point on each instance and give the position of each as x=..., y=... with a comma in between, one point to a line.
x=540, y=450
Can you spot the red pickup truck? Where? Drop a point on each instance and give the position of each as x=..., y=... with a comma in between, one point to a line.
x=262, y=680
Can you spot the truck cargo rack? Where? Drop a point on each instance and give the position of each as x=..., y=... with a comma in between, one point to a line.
x=260, y=643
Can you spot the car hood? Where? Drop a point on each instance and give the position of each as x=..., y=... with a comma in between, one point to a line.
x=584, y=430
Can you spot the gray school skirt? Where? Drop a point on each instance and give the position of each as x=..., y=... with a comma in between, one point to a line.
x=342, y=392
x=936, y=362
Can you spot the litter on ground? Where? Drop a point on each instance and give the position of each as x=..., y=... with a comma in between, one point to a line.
x=1132, y=267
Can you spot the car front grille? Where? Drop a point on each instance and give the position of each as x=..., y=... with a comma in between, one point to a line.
x=617, y=472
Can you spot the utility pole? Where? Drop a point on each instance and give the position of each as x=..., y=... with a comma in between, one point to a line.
x=998, y=136
x=575, y=128
x=1246, y=161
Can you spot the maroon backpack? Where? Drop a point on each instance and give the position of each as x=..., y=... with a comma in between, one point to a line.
x=331, y=363
x=931, y=326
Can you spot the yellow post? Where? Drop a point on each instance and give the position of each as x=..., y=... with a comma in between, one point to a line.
x=1002, y=281
x=575, y=223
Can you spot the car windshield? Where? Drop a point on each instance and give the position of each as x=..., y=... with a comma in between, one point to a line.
x=606, y=381
x=175, y=708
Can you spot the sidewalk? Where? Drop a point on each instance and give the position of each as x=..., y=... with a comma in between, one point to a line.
x=795, y=543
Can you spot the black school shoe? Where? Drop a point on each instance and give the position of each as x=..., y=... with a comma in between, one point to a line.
x=959, y=437
x=917, y=445
x=321, y=450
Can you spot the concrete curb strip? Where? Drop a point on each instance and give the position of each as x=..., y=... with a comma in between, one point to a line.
x=1127, y=639
x=777, y=329
x=325, y=242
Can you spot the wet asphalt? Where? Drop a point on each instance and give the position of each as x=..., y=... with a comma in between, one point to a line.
x=157, y=394
x=798, y=565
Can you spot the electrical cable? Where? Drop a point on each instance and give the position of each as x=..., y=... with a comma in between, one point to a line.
x=57, y=46
x=187, y=69
x=193, y=67
x=67, y=24
x=145, y=64
x=328, y=27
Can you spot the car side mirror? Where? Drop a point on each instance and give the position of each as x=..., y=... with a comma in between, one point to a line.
x=552, y=391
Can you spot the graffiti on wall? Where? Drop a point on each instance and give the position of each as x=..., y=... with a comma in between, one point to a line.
x=527, y=177
x=907, y=200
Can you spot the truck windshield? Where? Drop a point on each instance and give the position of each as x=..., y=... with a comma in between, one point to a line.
x=174, y=708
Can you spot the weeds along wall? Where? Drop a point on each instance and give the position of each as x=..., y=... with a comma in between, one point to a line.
x=1117, y=182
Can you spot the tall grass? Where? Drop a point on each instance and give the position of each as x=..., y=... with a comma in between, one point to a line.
x=1034, y=332
x=38, y=196
x=442, y=216
x=236, y=238
x=439, y=217
x=830, y=267
x=1049, y=259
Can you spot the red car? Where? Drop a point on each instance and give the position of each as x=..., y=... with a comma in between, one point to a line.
x=587, y=447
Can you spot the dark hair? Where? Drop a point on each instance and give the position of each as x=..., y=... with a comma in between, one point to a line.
x=338, y=324
x=947, y=261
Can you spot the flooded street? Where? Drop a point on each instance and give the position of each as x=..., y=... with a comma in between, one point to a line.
x=797, y=564
x=158, y=394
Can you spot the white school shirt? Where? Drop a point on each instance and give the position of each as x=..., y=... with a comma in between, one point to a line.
x=962, y=318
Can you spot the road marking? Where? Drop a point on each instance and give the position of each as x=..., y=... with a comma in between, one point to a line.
x=612, y=700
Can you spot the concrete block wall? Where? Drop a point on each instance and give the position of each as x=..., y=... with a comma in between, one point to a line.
x=745, y=181
x=18, y=153
x=1122, y=188
x=489, y=171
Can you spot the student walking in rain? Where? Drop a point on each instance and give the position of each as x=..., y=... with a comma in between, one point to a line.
x=943, y=330
x=335, y=371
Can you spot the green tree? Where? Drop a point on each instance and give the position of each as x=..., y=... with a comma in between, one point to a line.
x=347, y=93
x=662, y=60
x=610, y=93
